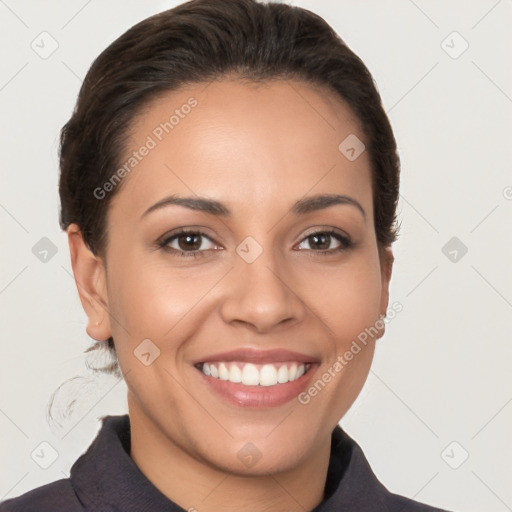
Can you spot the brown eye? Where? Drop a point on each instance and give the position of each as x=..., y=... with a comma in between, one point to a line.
x=323, y=241
x=189, y=243
x=320, y=241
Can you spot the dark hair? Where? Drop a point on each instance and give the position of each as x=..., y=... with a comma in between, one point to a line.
x=199, y=41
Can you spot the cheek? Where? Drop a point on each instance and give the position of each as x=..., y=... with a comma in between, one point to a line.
x=151, y=308
x=351, y=305
x=348, y=300
x=152, y=300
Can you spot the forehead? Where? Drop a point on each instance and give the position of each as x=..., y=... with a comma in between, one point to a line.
x=243, y=143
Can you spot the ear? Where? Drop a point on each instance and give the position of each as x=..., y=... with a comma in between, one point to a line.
x=90, y=277
x=386, y=268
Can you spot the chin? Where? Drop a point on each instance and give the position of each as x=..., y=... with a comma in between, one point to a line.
x=270, y=449
x=247, y=459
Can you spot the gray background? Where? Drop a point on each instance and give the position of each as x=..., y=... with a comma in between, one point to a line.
x=439, y=390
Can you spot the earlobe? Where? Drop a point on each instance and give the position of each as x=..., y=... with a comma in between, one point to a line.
x=386, y=265
x=90, y=279
x=387, y=260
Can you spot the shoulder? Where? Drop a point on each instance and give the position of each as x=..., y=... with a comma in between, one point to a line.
x=356, y=487
x=51, y=497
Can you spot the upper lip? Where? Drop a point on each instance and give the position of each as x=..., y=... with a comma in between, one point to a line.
x=251, y=355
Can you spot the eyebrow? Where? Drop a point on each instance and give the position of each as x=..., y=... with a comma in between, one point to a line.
x=213, y=207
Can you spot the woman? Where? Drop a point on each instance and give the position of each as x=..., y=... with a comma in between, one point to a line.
x=229, y=183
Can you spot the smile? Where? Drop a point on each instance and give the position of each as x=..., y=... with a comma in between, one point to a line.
x=249, y=374
x=254, y=378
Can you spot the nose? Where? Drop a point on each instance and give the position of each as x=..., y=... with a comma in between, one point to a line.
x=260, y=295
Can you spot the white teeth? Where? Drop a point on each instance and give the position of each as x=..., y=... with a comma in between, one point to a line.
x=268, y=375
x=251, y=375
x=282, y=374
x=292, y=372
x=235, y=374
x=223, y=372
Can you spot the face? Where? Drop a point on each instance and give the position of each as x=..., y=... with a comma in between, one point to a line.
x=277, y=273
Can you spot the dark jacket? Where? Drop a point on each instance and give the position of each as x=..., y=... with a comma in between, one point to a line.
x=105, y=479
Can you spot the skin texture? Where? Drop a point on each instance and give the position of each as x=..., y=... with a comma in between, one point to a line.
x=257, y=149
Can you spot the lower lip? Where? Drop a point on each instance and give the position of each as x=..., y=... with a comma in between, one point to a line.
x=259, y=396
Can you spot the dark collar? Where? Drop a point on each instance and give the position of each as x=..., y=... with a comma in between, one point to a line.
x=106, y=476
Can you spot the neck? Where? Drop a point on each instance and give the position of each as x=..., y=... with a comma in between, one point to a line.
x=197, y=486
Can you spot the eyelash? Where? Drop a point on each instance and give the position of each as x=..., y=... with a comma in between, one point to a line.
x=345, y=242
